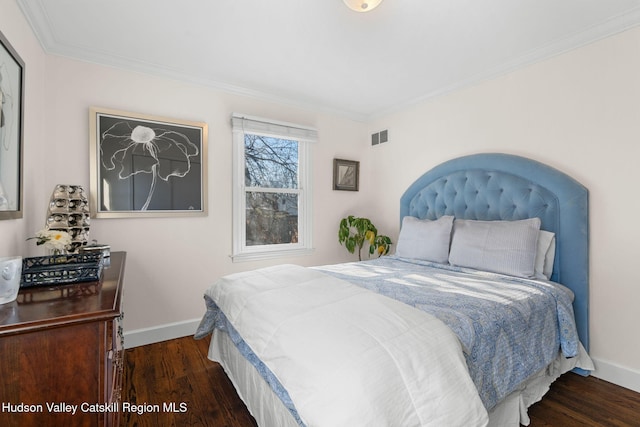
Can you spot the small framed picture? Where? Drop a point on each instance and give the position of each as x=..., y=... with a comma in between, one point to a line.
x=346, y=174
x=146, y=166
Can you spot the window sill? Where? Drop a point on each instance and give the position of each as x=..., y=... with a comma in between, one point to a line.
x=256, y=256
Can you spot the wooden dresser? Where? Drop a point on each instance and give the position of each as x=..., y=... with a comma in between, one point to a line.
x=61, y=350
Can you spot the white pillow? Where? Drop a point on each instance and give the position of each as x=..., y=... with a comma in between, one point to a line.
x=507, y=247
x=545, y=255
x=424, y=239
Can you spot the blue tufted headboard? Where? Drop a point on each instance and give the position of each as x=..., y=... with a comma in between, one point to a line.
x=508, y=187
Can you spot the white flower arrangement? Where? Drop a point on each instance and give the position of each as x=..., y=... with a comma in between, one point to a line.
x=55, y=240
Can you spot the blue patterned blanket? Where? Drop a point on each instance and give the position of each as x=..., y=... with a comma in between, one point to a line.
x=510, y=328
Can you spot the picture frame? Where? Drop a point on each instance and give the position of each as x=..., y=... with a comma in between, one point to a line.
x=346, y=175
x=146, y=166
x=12, y=72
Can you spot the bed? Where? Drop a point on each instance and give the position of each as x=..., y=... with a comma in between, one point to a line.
x=463, y=325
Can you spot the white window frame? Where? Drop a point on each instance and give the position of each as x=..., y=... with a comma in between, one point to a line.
x=305, y=136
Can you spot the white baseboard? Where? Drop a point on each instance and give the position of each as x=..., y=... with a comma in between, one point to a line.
x=616, y=374
x=607, y=371
x=160, y=333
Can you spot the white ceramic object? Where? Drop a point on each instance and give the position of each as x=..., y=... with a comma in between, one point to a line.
x=10, y=274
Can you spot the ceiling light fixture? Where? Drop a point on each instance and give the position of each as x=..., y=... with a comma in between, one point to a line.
x=362, y=5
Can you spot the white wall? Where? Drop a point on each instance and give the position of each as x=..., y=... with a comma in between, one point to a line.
x=171, y=261
x=578, y=112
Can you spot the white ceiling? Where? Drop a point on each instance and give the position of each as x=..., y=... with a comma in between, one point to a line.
x=320, y=54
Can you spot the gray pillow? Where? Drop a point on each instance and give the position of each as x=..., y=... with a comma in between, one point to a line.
x=507, y=247
x=424, y=239
x=545, y=255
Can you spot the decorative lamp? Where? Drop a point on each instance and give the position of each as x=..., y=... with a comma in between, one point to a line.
x=69, y=211
x=362, y=5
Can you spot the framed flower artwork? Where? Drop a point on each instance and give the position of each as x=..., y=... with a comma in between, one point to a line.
x=11, y=130
x=146, y=166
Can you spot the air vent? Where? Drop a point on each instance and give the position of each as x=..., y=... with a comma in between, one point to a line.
x=380, y=137
x=384, y=136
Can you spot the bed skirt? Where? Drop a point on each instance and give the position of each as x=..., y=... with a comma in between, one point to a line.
x=268, y=410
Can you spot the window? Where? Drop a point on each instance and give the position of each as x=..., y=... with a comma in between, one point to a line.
x=271, y=188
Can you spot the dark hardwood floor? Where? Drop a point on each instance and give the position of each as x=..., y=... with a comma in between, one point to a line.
x=179, y=372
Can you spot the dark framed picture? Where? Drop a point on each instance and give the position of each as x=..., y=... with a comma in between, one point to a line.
x=146, y=166
x=11, y=130
x=346, y=174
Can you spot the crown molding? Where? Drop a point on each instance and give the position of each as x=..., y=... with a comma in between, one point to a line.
x=611, y=27
x=35, y=14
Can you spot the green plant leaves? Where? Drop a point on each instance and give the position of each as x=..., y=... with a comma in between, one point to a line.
x=353, y=232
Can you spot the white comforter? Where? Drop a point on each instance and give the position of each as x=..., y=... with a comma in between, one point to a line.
x=348, y=356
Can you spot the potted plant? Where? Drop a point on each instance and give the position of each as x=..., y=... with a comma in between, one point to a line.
x=354, y=232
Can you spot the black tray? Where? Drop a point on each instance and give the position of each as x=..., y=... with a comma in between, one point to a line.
x=60, y=269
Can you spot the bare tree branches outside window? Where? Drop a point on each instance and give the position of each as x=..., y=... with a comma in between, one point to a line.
x=271, y=181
